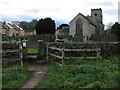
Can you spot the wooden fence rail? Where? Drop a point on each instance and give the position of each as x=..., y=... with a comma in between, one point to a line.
x=99, y=49
x=12, y=53
x=65, y=49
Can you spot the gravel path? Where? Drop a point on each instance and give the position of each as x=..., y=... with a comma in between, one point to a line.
x=40, y=70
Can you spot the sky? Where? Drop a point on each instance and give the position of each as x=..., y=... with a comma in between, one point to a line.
x=62, y=11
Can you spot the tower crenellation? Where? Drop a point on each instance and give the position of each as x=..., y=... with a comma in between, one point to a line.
x=97, y=14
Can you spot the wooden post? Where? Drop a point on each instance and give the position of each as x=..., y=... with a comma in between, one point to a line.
x=25, y=48
x=47, y=52
x=98, y=54
x=21, y=54
x=40, y=48
x=63, y=56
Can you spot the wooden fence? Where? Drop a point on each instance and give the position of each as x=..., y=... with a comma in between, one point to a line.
x=13, y=53
x=62, y=48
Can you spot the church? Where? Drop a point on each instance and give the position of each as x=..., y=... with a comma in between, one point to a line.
x=87, y=25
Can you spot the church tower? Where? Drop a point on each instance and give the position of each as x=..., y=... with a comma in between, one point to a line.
x=97, y=14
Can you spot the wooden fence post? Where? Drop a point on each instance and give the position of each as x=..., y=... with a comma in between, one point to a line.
x=21, y=54
x=24, y=50
x=63, y=56
x=98, y=54
x=41, y=48
x=47, y=51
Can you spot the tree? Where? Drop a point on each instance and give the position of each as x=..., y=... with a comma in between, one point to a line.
x=109, y=25
x=45, y=26
x=116, y=30
x=63, y=25
x=28, y=26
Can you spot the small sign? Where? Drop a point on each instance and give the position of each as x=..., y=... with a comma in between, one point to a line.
x=24, y=44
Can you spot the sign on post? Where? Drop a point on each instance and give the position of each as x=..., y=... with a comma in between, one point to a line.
x=24, y=44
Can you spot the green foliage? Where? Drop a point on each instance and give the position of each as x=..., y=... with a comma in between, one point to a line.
x=63, y=25
x=45, y=26
x=89, y=40
x=116, y=30
x=88, y=74
x=13, y=41
x=13, y=78
x=32, y=50
x=96, y=85
x=18, y=39
x=70, y=41
x=28, y=26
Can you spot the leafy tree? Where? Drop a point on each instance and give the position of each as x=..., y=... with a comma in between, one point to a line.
x=62, y=25
x=45, y=26
x=28, y=26
x=116, y=30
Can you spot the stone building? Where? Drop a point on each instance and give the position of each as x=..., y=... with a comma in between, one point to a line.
x=10, y=30
x=63, y=31
x=87, y=25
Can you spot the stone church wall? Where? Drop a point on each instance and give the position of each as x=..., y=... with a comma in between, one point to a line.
x=88, y=29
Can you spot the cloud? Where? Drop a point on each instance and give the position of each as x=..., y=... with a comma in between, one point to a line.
x=4, y=2
x=62, y=10
x=59, y=22
x=30, y=18
x=17, y=18
x=106, y=3
x=111, y=12
x=33, y=10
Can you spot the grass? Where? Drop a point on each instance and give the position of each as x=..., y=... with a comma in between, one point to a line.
x=87, y=74
x=32, y=50
x=17, y=40
x=13, y=78
x=89, y=41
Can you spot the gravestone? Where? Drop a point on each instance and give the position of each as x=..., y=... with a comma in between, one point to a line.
x=78, y=37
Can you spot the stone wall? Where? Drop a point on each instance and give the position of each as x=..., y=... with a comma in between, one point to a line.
x=107, y=48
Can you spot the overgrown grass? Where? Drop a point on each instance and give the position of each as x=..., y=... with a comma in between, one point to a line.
x=13, y=78
x=32, y=50
x=88, y=74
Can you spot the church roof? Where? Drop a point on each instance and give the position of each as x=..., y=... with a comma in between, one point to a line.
x=94, y=20
x=85, y=18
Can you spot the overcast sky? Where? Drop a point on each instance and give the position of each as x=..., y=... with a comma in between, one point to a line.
x=62, y=11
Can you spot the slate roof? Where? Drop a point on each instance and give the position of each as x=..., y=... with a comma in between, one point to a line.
x=85, y=18
x=9, y=26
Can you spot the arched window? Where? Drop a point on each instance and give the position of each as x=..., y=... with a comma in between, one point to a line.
x=79, y=26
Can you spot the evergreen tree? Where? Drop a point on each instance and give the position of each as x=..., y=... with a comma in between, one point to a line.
x=45, y=26
x=116, y=30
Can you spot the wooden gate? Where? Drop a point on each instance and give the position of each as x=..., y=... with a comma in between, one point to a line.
x=13, y=53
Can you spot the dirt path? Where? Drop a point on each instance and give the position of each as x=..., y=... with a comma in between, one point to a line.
x=40, y=70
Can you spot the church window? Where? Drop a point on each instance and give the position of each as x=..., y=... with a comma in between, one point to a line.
x=95, y=14
x=79, y=26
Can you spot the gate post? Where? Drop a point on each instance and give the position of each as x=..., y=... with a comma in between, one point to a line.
x=47, y=51
x=24, y=48
x=41, y=48
x=21, y=54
